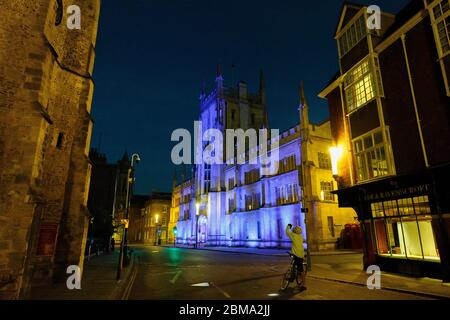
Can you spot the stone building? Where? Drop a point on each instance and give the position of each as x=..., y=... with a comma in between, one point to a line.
x=102, y=203
x=389, y=108
x=150, y=221
x=46, y=92
x=242, y=205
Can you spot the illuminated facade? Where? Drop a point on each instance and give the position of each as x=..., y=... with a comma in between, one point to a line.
x=389, y=112
x=149, y=221
x=238, y=204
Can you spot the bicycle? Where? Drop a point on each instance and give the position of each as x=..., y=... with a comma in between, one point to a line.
x=292, y=274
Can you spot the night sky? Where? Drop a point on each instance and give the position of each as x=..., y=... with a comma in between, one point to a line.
x=153, y=56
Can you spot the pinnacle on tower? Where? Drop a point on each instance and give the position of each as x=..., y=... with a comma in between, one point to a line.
x=262, y=87
x=303, y=101
x=262, y=83
x=219, y=72
x=303, y=109
x=203, y=91
x=219, y=80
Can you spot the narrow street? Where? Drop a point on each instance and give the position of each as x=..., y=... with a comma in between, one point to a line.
x=176, y=273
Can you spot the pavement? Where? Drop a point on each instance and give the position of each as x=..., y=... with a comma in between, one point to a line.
x=98, y=281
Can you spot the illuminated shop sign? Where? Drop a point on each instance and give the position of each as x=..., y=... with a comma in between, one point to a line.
x=401, y=192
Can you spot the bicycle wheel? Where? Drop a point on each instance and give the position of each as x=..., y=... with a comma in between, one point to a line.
x=286, y=280
x=298, y=278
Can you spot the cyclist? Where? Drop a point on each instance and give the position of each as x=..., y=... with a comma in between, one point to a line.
x=297, y=251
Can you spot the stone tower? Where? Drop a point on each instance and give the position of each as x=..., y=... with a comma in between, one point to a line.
x=221, y=109
x=46, y=92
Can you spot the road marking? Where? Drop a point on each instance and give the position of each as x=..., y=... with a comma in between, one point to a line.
x=203, y=284
x=221, y=291
x=130, y=284
x=175, y=278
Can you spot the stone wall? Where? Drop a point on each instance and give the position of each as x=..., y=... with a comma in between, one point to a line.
x=46, y=91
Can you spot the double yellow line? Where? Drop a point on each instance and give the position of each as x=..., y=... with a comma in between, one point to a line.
x=130, y=284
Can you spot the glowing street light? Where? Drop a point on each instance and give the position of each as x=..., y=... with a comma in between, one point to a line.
x=197, y=212
x=156, y=218
x=336, y=154
x=197, y=208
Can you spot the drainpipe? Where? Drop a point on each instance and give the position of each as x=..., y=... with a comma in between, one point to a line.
x=419, y=126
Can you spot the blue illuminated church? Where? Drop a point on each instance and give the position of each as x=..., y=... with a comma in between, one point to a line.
x=240, y=204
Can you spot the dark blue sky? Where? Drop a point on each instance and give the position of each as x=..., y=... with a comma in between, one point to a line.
x=153, y=55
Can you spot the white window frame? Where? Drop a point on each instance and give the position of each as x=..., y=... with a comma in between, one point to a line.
x=366, y=176
x=361, y=76
x=326, y=187
x=436, y=21
x=352, y=34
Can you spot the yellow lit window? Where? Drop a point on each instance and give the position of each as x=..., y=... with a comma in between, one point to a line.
x=359, y=86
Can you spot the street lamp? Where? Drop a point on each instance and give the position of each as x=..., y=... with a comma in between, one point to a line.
x=123, y=255
x=336, y=154
x=197, y=212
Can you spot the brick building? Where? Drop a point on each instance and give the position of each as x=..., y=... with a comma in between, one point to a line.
x=46, y=91
x=389, y=107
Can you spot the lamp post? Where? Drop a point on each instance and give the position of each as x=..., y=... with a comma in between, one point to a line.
x=123, y=255
x=305, y=173
x=197, y=212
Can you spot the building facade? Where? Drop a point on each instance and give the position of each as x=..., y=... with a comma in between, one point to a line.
x=150, y=221
x=389, y=108
x=46, y=92
x=107, y=198
x=240, y=204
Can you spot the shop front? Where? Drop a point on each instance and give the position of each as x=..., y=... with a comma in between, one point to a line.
x=405, y=222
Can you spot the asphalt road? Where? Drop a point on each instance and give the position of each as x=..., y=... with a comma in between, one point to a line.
x=180, y=274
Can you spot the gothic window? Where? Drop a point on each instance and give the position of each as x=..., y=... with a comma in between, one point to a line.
x=325, y=190
x=324, y=161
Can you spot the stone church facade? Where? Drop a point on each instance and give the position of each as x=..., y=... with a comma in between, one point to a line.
x=242, y=205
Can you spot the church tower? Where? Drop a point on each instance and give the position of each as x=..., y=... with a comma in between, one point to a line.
x=221, y=109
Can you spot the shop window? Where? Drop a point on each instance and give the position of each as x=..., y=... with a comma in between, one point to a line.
x=395, y=237
x=403, y=228
x=429, y=245
x=381, y=236
x=377, y=210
